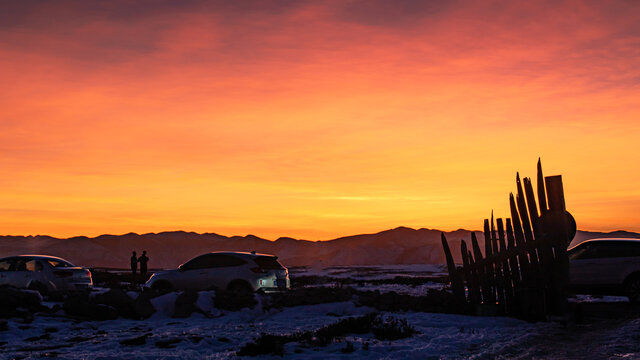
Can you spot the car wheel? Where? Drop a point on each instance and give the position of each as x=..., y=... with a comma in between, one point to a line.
x=162, y=286
x=39, y=287
x=632, y=289
x=240, y=289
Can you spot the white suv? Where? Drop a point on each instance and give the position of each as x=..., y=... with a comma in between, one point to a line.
x=606, y=266
x=239, y=272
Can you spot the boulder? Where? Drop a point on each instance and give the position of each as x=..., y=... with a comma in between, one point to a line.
x=231, y=301
x=185, y=304
x=19, y=303
x=143, y=307
x=119, y=300
x=82, y=307
x=135, y=341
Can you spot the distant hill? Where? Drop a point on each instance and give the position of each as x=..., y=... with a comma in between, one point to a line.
x=401, y=245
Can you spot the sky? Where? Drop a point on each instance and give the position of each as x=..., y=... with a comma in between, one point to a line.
x=312, y=119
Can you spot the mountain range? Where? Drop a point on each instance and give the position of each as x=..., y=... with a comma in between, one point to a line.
x=401, y=245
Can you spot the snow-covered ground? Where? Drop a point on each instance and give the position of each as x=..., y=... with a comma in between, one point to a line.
x=439, y=336
x=218, y=334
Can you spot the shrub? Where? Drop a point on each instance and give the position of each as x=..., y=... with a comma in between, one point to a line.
x=391, y=328
x=350, y=325
x=388, y=328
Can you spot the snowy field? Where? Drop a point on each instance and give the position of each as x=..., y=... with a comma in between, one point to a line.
x=220, y=334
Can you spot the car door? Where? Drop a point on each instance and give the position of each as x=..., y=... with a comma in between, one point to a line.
x=623, y=258
x=20, y=276
x=599, y=266
x=612, y=257
x=583, y=265
x=607, y=263
x=193, y=274
x=224, y=268
x=5, y=274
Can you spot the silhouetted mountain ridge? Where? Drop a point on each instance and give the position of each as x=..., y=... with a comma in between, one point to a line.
x=401, y=245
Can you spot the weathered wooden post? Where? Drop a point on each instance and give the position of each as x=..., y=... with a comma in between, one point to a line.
x=472, y=288
x=488, y=296
x=506, y=269
x=489, y=236
x=475, y=281
x=454, y=276
x=559, y=228
x=515, y=257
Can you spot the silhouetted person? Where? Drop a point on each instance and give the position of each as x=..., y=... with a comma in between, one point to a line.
x=143, y=263
x=134, y=263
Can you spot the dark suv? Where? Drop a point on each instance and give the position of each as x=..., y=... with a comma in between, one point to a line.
x=606, y=266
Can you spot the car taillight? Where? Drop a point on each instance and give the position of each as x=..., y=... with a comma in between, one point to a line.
x=258, y=270
x=88, y=273
x=62, y=274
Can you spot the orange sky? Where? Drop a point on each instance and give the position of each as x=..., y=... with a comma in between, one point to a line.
x=312, y=119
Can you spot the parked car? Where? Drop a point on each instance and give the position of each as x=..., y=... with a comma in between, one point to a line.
x=606, y=266
x=43, y=273
x=239, y=272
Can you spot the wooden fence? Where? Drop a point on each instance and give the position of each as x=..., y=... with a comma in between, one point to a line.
x=524, y=270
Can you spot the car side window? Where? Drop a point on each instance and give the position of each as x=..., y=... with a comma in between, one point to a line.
x=227, y=261
x=605, y=250
x=5, y=265
x=630, y=250
x=213, y=261
x=198, y=263
x=582, y=252
x=57, y=263
x=32, y=265
x=19, y=265
x=608, y=250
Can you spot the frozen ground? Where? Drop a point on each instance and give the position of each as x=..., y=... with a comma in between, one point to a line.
x=219, y=334
x=381, y=278
x=375, y=272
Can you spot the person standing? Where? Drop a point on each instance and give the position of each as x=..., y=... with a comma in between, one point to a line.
x=134, y=263
x=143, y=263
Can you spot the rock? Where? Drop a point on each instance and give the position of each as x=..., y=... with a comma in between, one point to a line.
x=228, y=300
x=195, y=338
x=185, y=304
x=46, y=336
x=82, y=307
x=136, y=341
x=143, y=307
x=76, y=339
x=19, y=303
x=119, y=300
x=167, y=344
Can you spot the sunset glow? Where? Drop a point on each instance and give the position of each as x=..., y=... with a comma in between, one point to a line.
x=312, y=119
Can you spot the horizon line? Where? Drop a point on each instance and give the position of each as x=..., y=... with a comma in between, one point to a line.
x=281, y=237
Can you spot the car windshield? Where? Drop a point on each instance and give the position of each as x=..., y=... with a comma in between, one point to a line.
x=268, y=262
